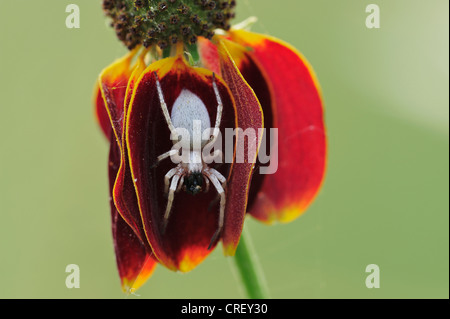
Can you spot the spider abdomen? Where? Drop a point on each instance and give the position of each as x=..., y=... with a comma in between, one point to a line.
x=190, y=113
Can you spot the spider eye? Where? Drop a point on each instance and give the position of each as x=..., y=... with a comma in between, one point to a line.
x=193, y=183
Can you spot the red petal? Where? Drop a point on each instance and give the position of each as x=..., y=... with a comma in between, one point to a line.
x=124, y=193
x=297, y=113
x=250, y=116
x=191, y=224
x=134, y=261
x=100, y=112
x=134, y=258
x=114, y=84
x=209, y=54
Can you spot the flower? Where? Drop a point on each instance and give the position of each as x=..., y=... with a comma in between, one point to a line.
x=236, y=79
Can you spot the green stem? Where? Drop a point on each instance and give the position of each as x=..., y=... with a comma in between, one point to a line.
x=194, y=57
x=249, y=268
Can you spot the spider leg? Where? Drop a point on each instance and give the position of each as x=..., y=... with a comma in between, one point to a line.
x=220, y=177
x=164, y=106
x=219, y=110
x=218, y=155
x=163, y=157
x=214, y=176
x=212, y=158
x=172, y=189
x=180, y=184
x=167, y=178
x=207, y=184
x=166, y=155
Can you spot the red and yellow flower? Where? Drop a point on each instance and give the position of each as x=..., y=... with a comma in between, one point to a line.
x=263, y=83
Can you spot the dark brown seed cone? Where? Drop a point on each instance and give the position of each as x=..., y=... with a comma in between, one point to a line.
x=166, y=22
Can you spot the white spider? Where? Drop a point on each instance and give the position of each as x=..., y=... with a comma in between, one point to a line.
x=192, y=174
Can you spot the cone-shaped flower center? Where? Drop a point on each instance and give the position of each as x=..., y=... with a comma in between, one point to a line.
x=150, y=22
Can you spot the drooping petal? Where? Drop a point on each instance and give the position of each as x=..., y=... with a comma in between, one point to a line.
x=193, y=220
x=124, y=192
x=135, y=262
x=114, y=84
x=209, y=54
x=100, y=112
x=250, y=119
x=290, y=96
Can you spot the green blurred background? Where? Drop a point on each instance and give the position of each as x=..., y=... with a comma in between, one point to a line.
x=385, y=199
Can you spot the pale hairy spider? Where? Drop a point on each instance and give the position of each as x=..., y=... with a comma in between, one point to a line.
x=193, y=174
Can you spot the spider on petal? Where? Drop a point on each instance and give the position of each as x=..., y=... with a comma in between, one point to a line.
x=186, y=111
x=194, y=79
